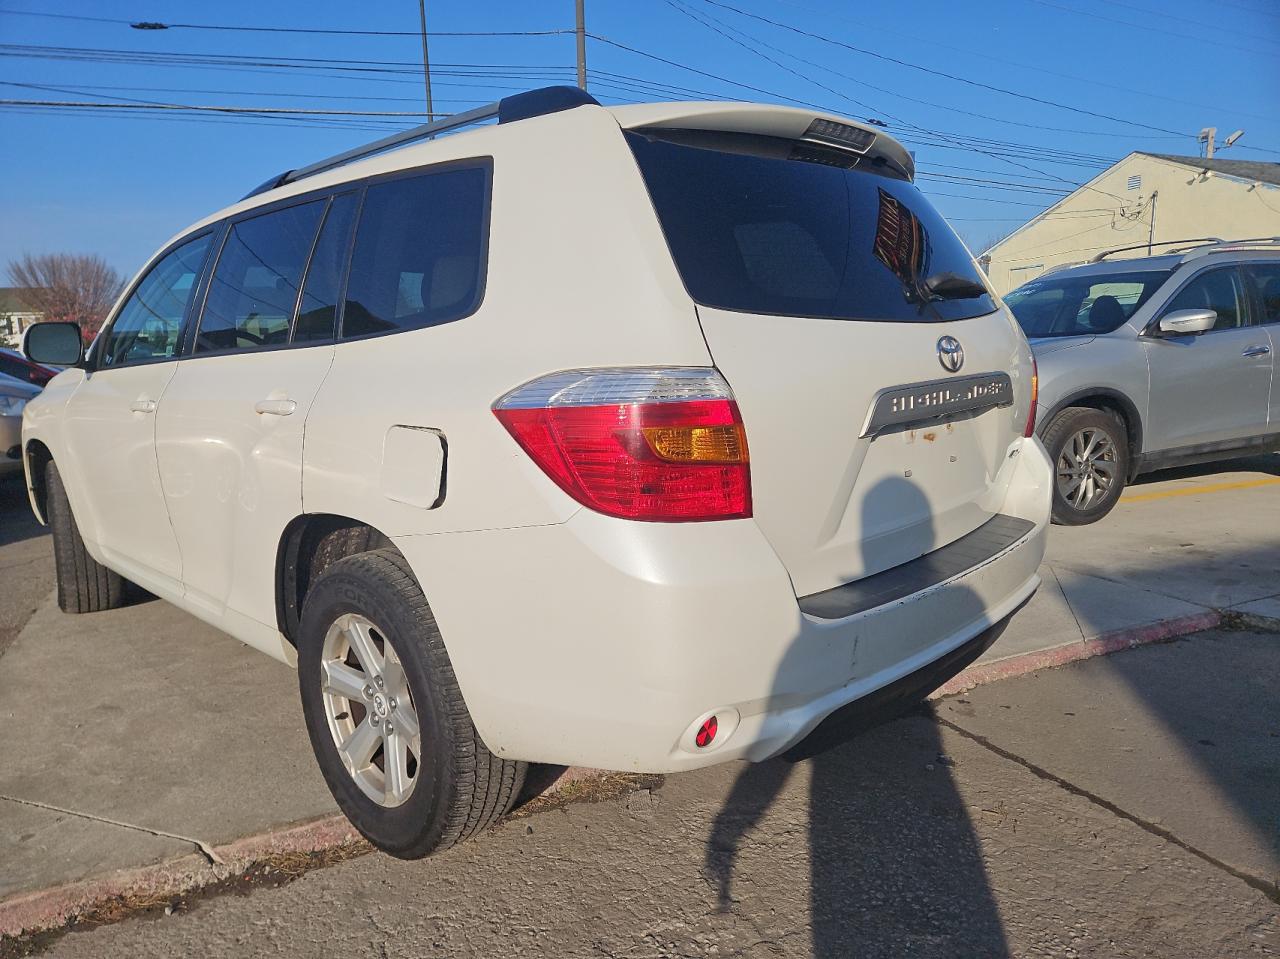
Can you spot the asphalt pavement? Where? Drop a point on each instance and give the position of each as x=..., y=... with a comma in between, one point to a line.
x=1076, y=812
x=140, y=739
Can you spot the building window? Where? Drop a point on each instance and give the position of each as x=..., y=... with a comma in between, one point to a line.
x=1135, y=183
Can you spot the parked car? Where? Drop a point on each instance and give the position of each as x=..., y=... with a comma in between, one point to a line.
x=528, y=360
x=18, y=366
x=14, y=396
x=1153, y=362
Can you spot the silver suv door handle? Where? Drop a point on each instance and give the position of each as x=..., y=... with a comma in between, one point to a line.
x=143, y=405
x=1256, y=351
x=275, y=407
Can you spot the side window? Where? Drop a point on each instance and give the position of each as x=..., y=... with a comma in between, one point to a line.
x=148, y=325
x=1265, y=279
x=1217, y=290
x=318, y=313
x=419, y=256
x=255, y=283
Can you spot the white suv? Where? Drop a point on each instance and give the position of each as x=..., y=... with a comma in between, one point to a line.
x=462, y=430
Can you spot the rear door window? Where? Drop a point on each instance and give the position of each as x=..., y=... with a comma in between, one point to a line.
x=254, y=288
x=318, y=311
x=420, y=252
x=760, y=225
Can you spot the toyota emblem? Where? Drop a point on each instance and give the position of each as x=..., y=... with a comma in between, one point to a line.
x=950, y=354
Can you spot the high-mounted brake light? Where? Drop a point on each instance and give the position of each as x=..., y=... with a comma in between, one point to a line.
x=664, y=445
x=1030, y=429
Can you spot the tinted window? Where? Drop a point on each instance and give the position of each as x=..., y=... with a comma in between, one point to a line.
x=419, y=256
x=764, y=225
x=1219, y=291
x=255, y=283
x=1266, y=283
x=317, y=314
x=148, y=325
x=1074, y=305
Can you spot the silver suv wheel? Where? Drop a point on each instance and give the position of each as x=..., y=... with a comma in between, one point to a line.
x=370, y=711
x=1087, y=467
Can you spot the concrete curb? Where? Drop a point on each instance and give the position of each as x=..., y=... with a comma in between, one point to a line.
x=1112, y=642
x=49, y=908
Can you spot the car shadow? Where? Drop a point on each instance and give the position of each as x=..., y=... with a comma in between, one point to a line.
x=895, y=866
x=17, y=522
x=1261, y=463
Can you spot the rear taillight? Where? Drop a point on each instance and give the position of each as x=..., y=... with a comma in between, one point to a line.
x=664, y=445
x=1030, y=429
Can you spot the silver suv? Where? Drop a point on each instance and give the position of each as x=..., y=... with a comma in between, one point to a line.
x=1153, y=362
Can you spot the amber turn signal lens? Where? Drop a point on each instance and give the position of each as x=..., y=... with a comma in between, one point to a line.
x=698, y=444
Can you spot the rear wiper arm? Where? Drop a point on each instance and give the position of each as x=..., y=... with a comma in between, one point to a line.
x=952, y=286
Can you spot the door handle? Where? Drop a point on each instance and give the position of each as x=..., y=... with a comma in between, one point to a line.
x=143, y=405
x=1256, y=351
x=275, y=407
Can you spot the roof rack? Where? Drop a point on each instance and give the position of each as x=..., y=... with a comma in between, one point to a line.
x=1199, y=247
x=1231, y=246
x=519, y=106
x=1139, y=246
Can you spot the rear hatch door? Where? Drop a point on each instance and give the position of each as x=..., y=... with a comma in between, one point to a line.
x=880, y=384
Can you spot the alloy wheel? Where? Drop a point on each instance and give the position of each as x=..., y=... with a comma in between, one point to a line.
x=370, y=710
x=1087, y=468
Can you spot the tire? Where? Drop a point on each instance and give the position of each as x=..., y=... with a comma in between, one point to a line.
x=84, y=584
x=456, y=786
x=1077, y=430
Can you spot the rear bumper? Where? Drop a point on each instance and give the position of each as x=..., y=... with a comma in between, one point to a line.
x=604, y=643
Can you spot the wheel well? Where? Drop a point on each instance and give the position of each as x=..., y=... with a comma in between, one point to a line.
x=38, y=457
x=308, y=546
x=1112, y=403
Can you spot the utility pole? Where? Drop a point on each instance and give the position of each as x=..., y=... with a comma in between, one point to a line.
x=426, y=62
x=582, y=44
x=1151, y=230
x=1206, y=137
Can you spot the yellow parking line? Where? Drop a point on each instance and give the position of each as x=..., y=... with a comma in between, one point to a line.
x=1206, y=488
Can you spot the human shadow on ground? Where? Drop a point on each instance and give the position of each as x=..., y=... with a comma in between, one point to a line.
x=895, y=867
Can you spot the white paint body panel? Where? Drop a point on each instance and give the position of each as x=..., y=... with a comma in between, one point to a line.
x=576, y=638
x=232, y=476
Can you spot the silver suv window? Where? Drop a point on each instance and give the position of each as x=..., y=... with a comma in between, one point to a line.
x=1082, y=305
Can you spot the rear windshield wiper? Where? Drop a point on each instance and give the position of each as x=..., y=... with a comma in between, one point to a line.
x=952, y=286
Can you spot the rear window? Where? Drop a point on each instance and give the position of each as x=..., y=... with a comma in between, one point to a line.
x=763, y=225
x=1082, y=305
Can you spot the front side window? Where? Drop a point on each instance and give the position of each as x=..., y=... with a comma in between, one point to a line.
x=1067, y=305
x=149, y=324
x=419, y=257
x=1265, y=278
x=1217, y=290
x=254, y=287
x=766, y=225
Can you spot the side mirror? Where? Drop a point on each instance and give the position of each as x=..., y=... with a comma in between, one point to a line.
x=1185, y=322
x=54, y=344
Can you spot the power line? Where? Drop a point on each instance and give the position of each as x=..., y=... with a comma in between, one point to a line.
x=1145, y=27
x=1002, y=159
x=939, y=73
x=307, y=30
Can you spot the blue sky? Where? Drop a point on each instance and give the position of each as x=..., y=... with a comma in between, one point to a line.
x=1096, y=78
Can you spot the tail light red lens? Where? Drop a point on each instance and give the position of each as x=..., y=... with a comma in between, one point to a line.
x=656, y=445
x=1030, y=429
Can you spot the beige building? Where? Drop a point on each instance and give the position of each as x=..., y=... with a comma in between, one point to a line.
x=1146, y=197
x=16, y=314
